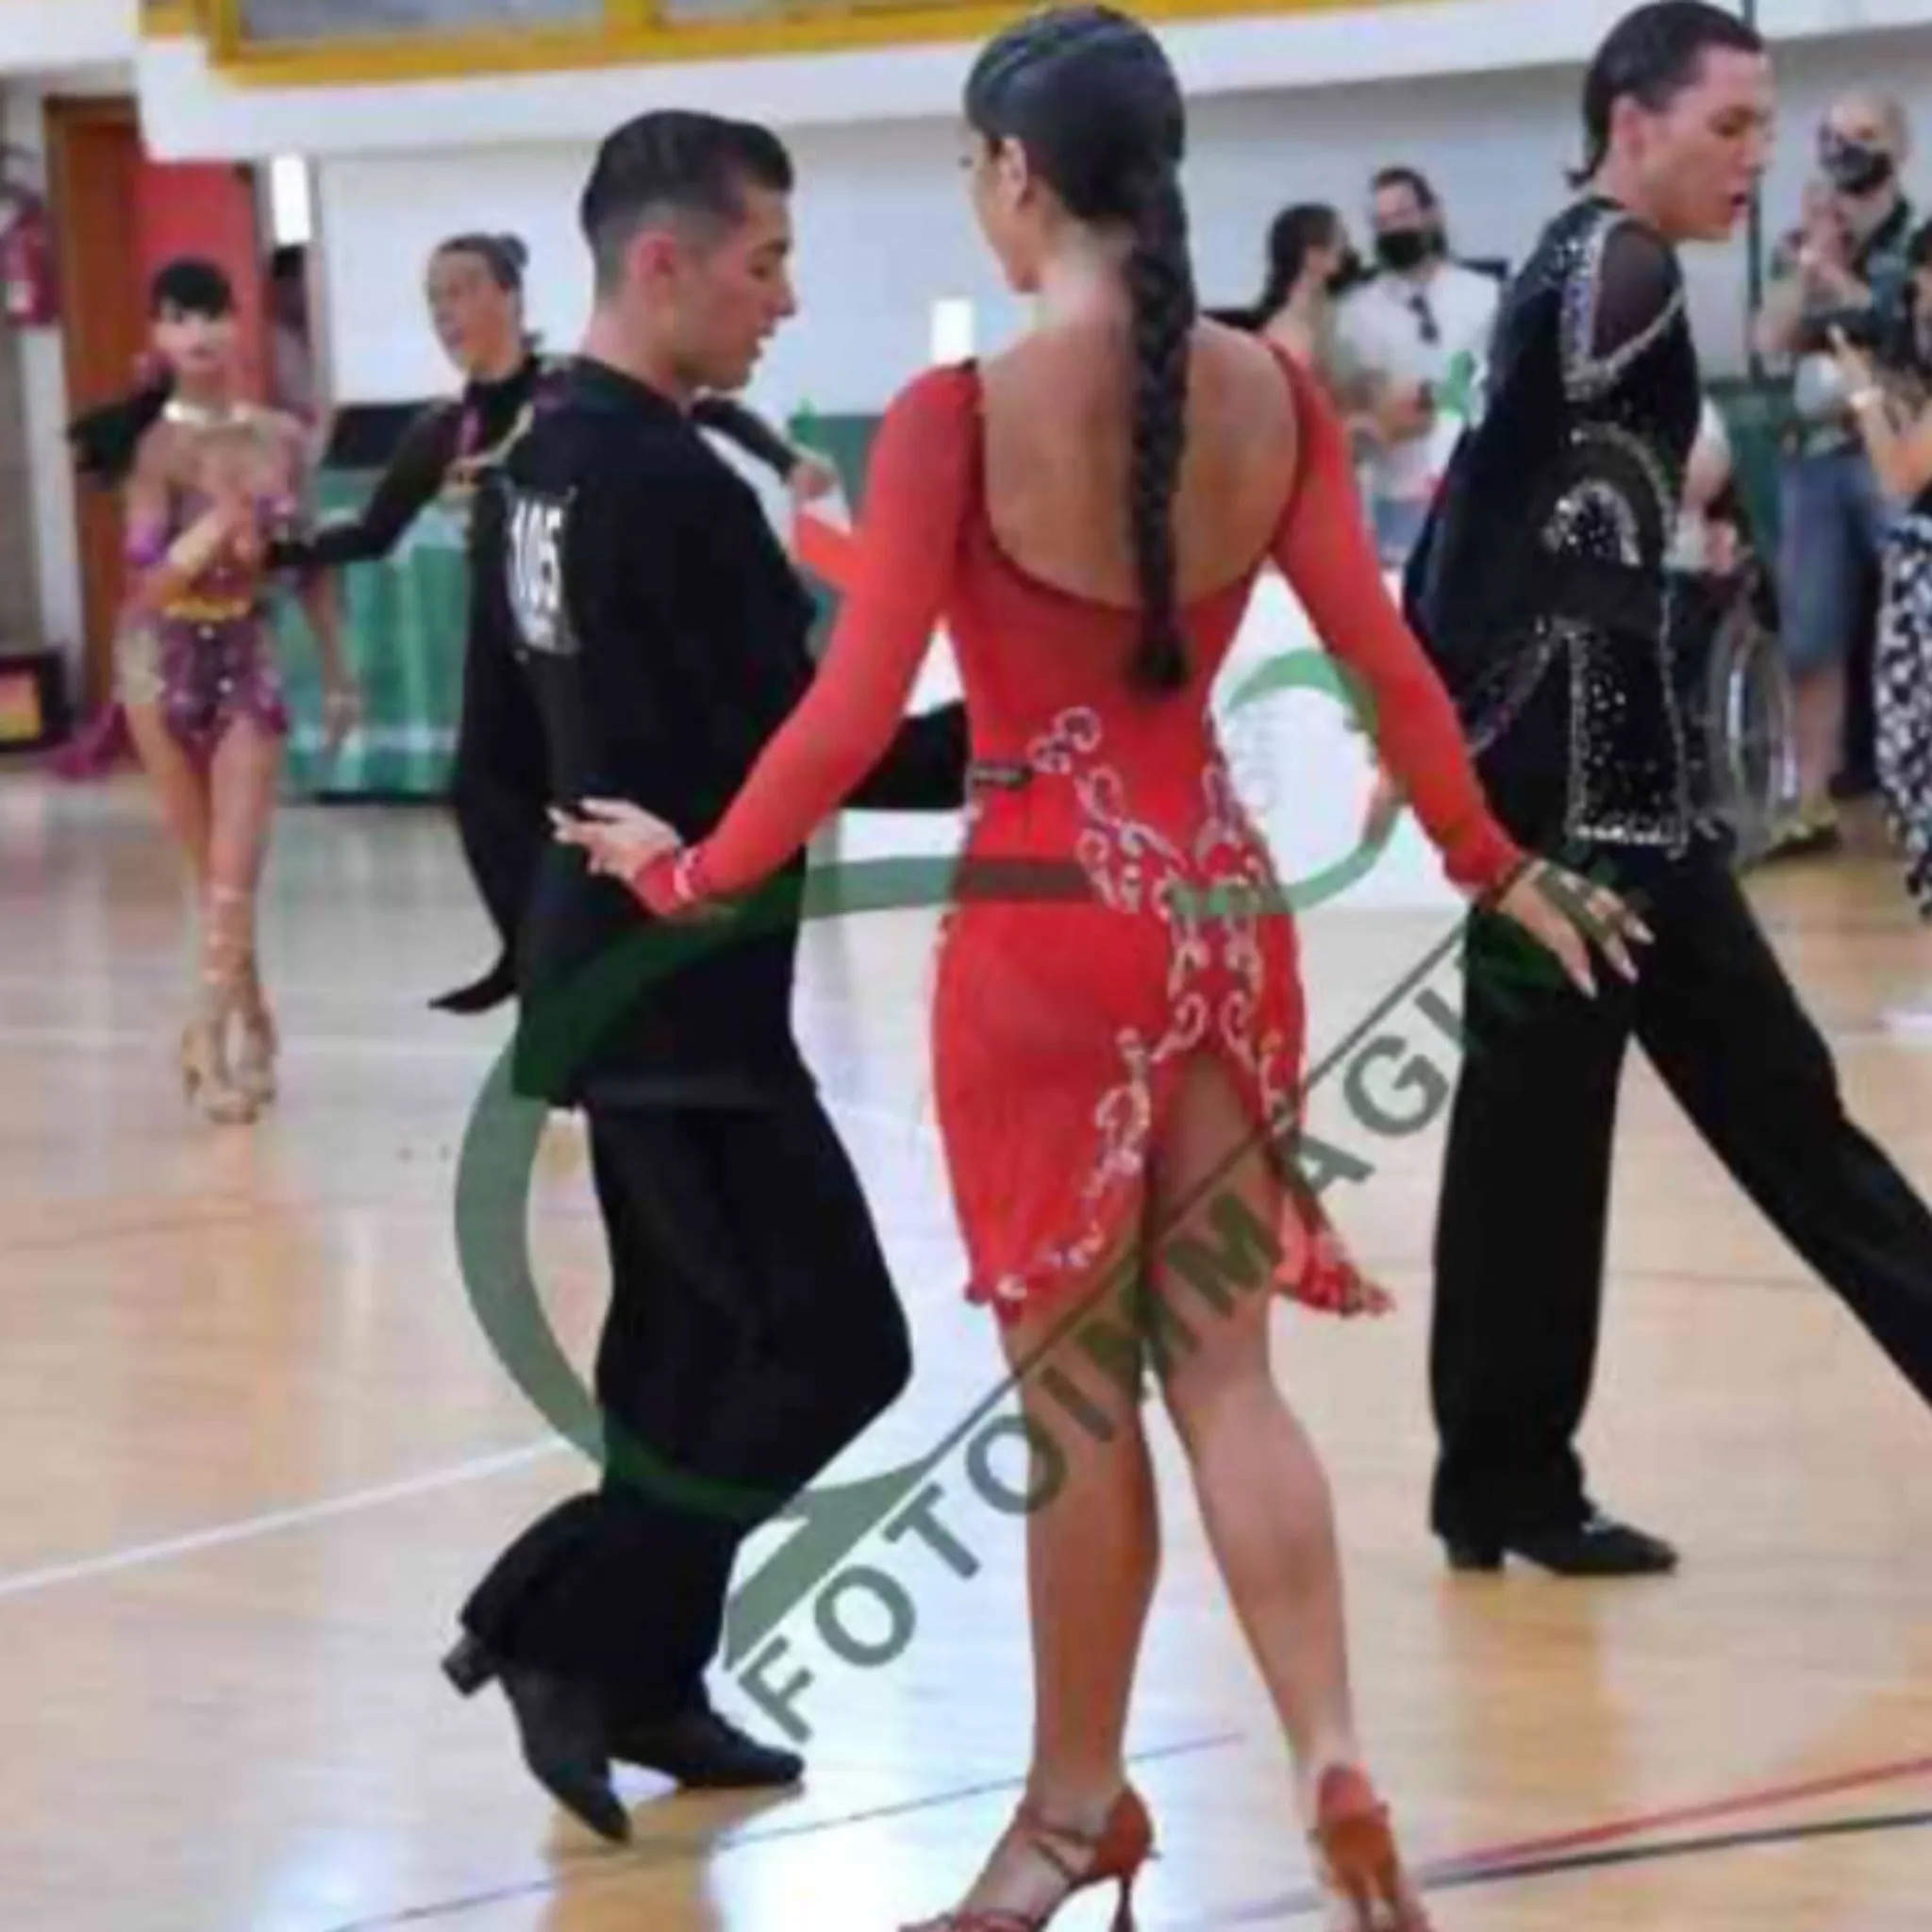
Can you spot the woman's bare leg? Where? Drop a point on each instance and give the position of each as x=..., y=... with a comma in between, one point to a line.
x=184, y=794
x=1092, y=1554
x=181, y=787
x=1264, y=1496
x=246, y=771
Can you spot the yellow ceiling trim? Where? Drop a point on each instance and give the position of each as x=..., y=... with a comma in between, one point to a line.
x=170, y=20
x=623, y=38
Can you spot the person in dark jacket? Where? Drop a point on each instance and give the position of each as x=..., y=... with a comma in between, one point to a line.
x=659, y=637
x=474, y=289
x=1541, y=588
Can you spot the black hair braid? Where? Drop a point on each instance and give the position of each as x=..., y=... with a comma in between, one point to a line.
x=1161, y=285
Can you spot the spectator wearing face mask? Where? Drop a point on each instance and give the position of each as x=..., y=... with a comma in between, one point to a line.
x=1412, y=343
x=1893, y=410
x=1846, y=269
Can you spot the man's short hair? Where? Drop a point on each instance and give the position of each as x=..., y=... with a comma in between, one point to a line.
x=677, y=165
x=1411, y=179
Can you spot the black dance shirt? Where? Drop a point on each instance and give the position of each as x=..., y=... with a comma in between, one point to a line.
x=454, y=451
x=662, y=633
x=1541, y=585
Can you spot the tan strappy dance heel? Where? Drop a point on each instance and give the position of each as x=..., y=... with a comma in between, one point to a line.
x=255, y=1064
x=206, y=1080
x=1112, y=1855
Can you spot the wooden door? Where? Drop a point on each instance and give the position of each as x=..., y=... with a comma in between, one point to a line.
x=95, y=162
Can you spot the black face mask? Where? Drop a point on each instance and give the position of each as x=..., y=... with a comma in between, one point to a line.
x=1402, y=249
x=1854, y=166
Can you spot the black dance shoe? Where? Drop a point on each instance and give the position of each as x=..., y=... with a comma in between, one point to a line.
x=1598, y=1546
x=704, y=1752
x=562, y=1729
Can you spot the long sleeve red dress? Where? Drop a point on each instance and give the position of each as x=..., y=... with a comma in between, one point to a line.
x=1063, y=1020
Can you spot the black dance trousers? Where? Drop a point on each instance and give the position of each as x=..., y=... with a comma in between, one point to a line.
x=1521, y=1223
x=500, y=776
x=753, y=1333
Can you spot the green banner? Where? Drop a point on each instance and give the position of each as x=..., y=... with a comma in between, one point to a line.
x=1757, y=418
x=403, y=625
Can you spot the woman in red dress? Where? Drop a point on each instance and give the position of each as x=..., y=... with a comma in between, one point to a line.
x=1117, y=1061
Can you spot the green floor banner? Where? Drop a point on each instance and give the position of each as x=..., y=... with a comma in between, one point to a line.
x=403, y=619
x=403, y=624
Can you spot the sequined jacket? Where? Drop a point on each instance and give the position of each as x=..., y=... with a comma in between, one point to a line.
x=1541, y=585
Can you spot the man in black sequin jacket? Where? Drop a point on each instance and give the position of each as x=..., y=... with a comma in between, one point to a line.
x=1541, y=589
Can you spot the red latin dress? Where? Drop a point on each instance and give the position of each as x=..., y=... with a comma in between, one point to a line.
x=1063, y=1018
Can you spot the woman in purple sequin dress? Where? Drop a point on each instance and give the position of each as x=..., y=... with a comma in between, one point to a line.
x=209, y=482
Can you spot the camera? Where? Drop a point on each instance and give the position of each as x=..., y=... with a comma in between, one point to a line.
x=1863, y=328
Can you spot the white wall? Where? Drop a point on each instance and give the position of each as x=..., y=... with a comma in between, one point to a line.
x=39, y=35
x=884, y=230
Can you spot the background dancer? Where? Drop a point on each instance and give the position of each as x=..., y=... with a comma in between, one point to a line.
x=753, y=1329
x=1113, y=1065
x=1540, y=590
x=475, y=287
x=210, y=481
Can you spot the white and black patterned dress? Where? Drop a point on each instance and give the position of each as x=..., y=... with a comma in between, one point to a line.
x=1903, y=695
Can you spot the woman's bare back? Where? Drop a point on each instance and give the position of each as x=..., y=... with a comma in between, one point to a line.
x=1059, y=438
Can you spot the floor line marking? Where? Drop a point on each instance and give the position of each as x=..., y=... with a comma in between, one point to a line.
x=1702, y=1813
x=608, y=1867
x=111, y=1562
x=1578, y=1848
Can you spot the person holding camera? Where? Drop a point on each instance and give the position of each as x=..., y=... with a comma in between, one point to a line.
x=1412, y=345
x=1893, y=409
x=1846, y=271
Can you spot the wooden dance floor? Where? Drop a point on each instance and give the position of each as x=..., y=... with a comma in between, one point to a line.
x=259, y=1447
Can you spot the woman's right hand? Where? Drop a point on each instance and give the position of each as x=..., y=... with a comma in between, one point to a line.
x=1567, y=914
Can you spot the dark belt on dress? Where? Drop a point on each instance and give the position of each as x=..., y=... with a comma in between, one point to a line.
x=1013, y=877
x=997, y=775
x=1013, y=880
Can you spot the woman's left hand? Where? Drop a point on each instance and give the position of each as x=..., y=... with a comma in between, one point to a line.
x=619, y=838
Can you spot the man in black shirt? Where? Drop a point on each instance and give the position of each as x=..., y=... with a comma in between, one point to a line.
x=451, y=451
x=753, y=1329
x=1541, y=588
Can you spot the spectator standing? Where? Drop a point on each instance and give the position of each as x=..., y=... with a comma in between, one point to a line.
x=1413, y=341
x=1845, y=267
